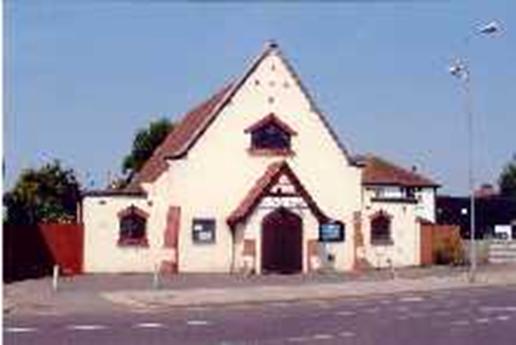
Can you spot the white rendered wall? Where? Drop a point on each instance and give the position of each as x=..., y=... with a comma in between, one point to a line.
x=405, y=232
x=101, y=233
x=426, y=205
x=218, y=171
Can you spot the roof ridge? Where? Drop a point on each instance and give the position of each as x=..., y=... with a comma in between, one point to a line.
x=379, y=170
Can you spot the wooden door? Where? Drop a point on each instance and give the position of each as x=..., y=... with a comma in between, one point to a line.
x=282, y=239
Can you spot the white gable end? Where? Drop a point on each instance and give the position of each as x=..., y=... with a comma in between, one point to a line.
x=223, y=164
x=221, y=187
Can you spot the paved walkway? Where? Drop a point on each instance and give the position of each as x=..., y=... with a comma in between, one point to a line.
x=109, y=293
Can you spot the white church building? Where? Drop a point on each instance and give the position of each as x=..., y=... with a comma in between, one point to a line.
x=255, y=180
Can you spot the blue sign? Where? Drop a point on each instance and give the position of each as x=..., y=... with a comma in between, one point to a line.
x=332, y=232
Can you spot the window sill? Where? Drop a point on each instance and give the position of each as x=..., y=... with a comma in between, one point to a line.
x=388, y=242
x=398, y=200
x=133, y=242
x=270, y=152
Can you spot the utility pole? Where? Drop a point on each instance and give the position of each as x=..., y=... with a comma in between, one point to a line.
x=461, y=71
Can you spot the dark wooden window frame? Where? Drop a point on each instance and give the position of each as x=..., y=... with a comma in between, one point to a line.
x=132, y=227
x=381, y=229
x=270, y=136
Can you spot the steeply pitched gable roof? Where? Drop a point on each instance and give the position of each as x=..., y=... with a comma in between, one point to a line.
x=262, y=186
x=378, y=171
x=197, y=121
x=177, y=142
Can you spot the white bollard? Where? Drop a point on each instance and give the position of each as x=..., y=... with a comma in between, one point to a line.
x=155, y=278
x=55, y=277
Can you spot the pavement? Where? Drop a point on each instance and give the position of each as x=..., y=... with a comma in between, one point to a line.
x=104, y=293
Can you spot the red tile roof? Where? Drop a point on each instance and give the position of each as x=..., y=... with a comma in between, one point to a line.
x=262, y=187
x=274, y=119
x=379, y=171
x=179, y=140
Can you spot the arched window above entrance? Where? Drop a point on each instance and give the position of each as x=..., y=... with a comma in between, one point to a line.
x=270, y=136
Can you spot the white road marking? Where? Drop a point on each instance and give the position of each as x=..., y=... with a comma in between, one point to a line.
x=503, y=317
x=19, y=329
x=197, y=323
x=323, y=336
x=298, y=339
x=385, y=302
x=442, y=312
x=482, y=320
x=86, y=327
x=149, y=325
x=345, y=313
x=411, y=299
x=346, y=334
x=488, y=309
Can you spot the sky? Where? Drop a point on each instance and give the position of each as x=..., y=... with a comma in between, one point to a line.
x=81, y=77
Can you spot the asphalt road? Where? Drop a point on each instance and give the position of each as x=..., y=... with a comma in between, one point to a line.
x=473, y=316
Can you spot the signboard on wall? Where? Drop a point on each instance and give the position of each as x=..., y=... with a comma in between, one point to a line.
x=332, y=232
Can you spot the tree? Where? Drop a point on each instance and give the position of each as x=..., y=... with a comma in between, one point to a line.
x=44, y=195
x=145, y=142
x=507, y=179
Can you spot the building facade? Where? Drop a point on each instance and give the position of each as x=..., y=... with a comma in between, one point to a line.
x=254, y=179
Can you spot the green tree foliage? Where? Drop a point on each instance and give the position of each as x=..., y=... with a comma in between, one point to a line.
x=45, y=195
x=144, y=143
x=507, y=179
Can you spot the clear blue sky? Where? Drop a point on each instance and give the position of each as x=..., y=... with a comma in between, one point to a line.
x=80, y=78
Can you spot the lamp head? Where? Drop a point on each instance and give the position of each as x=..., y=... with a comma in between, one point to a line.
x=490, y=28
x=458, y=69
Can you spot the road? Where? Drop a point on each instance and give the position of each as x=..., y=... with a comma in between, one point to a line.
x=472, y=316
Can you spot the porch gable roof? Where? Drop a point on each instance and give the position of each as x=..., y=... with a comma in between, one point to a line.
x=263, y=184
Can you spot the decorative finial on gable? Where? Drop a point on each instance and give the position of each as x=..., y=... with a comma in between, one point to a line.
x=271, y=44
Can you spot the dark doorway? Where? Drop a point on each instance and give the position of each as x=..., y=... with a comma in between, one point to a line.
x=282, y=239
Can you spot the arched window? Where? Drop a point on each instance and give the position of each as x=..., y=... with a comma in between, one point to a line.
x=381, y=229
x=133, y=224
x=270, y=135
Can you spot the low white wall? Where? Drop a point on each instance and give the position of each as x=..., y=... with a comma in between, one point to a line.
x=101, y=233
x=405, y=233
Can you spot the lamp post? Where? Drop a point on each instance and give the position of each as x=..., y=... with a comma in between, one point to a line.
x=461, y=71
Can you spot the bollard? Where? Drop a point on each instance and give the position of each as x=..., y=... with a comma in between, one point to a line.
x=155, y=278
x=391, y=269
x=55, y=277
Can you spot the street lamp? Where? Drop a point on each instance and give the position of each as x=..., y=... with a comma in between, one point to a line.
x=460, y=70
